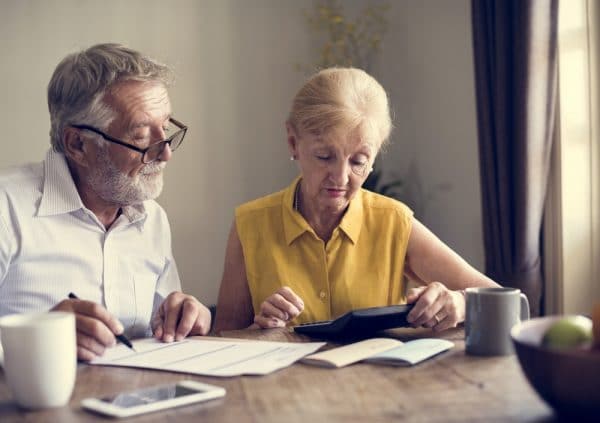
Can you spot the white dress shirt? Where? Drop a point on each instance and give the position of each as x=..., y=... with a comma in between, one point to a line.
x=51, y=244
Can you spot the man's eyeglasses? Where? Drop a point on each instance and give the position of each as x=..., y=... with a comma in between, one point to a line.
x=151, y=153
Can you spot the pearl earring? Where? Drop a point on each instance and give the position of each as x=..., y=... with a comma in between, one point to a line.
x=292, y=158
x=370, y=170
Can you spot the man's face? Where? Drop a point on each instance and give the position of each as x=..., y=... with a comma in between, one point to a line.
x=118, y=174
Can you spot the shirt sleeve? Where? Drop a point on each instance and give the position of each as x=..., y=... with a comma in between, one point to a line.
x=168, y=282
x=6, y=248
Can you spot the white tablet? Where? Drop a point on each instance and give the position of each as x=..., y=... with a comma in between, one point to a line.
x=145, y=400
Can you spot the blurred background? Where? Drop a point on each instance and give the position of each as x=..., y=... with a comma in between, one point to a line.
x=238, y=65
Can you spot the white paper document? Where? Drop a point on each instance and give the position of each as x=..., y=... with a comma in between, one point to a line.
x=209, y=356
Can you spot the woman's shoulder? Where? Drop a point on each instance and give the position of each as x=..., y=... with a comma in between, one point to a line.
x=378, y=202
x=261, y=205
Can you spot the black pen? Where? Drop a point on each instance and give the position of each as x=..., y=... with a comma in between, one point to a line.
x=120, y=337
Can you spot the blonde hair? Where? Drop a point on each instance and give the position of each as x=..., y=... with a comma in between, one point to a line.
x=342, y=99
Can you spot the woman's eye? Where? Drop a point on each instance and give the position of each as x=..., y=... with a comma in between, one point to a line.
x=323, y=157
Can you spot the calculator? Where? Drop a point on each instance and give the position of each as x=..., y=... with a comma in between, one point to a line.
x=360, y=323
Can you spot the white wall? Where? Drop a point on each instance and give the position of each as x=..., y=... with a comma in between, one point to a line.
x=427, y=68
x=235, y=78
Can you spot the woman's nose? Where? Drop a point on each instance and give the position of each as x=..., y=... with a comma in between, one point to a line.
x=339, y=172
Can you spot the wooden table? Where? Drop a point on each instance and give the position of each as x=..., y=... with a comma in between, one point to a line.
x=450, y=387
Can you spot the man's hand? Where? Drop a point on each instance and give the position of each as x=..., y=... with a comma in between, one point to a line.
x=96, y=327
x=178, y=316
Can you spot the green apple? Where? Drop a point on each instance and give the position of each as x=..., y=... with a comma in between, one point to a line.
x=571, y=331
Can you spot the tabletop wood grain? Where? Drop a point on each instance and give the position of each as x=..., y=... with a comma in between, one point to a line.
x=451, y=387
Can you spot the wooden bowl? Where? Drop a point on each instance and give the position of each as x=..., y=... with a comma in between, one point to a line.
x=567, y=379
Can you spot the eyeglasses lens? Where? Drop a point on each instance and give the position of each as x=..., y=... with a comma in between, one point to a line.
x=155, y=151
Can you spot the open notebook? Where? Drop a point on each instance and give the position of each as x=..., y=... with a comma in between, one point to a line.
x=381, y=351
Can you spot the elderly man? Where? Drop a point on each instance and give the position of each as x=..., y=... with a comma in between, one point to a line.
x=84, y=220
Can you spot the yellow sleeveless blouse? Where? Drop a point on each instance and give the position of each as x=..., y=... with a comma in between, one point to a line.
x=360, y=266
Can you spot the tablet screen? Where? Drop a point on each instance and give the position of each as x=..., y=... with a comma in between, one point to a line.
x=149, y=395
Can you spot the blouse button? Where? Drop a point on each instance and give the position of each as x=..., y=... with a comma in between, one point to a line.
x=322, y=295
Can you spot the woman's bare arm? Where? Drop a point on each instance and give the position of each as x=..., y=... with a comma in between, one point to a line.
x=428, y=260
x=440, y=302
x=234, y=307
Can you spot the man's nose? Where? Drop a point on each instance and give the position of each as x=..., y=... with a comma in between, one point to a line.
x=165, y=153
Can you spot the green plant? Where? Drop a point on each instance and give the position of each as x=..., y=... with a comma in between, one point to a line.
x=374, y=183
x=348, y=40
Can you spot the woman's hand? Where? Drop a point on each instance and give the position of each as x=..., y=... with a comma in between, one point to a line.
x=279, y=308
x=436, y=307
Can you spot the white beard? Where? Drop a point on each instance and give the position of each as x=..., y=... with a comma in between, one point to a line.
x=116, y=187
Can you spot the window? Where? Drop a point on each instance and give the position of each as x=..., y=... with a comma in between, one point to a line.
x=572, y=219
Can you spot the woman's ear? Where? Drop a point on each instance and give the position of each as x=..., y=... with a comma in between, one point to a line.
x=292, y=140
x=74, y=147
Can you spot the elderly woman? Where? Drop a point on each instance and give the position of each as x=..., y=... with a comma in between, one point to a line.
x=324, y=246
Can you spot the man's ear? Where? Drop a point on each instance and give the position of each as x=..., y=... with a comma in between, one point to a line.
x=74, y=147
x=292, y=140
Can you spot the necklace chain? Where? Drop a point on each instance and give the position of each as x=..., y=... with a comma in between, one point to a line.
x=297, y=198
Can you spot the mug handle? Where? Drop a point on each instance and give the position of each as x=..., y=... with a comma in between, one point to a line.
x=524, y=307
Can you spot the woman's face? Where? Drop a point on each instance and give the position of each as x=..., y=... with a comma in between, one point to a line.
x=334, y=166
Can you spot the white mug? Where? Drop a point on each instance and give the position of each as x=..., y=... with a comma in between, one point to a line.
x=490, y=314
x=40, y=357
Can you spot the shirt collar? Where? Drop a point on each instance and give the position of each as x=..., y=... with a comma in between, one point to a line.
x=295, y=225
x=60, y=195
x=135, y=212
x=352, y=221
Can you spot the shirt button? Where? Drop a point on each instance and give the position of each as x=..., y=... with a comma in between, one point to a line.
x=322, y=295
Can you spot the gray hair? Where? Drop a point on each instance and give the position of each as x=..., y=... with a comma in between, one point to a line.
x=80, y=81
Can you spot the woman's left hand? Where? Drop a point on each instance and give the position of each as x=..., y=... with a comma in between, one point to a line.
x=436, y=307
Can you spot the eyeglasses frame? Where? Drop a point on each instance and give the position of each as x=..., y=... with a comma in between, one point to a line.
x=143, y=151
